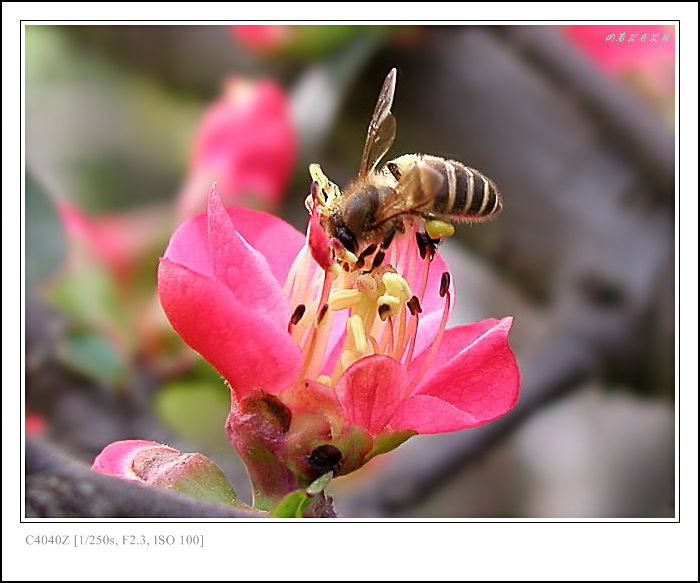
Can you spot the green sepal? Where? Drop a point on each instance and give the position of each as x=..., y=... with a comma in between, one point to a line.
x=191, y=474
x=387, y=442
x=296, y=503
x=319, y=484
x=293, y=505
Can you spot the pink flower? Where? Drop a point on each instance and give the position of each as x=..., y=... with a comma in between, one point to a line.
x=34, y=424
x=631, y=46
x=359, y=357
x=262, y=38
x=642, y=56
x=121, y=242
x=246, y=144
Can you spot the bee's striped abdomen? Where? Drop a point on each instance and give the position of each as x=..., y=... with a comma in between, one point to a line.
x=465, y=193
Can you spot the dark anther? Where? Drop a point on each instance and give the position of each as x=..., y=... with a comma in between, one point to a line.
x=414, y=306
x=384, y=311
x=322, y=313
x=325, y=458
x=444, y=284
x=297, y=315
x=378, y=258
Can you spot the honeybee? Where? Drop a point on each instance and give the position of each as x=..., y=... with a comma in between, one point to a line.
x=379, y=203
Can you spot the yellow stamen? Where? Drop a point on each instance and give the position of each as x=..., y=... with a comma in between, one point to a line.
x=400, y=343
x=346, y=359
x=356, y=329
x=343, y=298
x=324, y=380
x=397, y=286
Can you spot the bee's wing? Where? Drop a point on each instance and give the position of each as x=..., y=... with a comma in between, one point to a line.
x=382, y=127
x=415, y=191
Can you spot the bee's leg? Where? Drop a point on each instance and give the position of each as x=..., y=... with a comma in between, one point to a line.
x=362, y=256
x=427, y=246
x=384, y=246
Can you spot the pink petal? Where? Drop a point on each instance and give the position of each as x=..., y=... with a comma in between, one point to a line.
x=426, y=414
x=453, y=342
x=249, y=349
x=432, y=304
x=117, y=458
x=431, y=300
x=483, y=379
x=275, y=239
x=242, y=268
x=370, y=391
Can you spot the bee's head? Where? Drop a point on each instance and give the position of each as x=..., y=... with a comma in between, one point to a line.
x=346, y=237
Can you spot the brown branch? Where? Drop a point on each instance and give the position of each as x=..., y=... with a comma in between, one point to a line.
x=621, y=116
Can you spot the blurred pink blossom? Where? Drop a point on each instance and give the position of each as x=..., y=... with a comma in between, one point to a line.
x=642, y=56
x=246, y=144
x=262, y=38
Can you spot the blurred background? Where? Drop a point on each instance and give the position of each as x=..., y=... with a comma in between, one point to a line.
x=127, y=126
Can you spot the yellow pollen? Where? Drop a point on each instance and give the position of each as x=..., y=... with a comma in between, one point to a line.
x=437, y=229
x=397, y=286
x=318, y=175
x=343, y=298
x=325, y=380
x=356, y=328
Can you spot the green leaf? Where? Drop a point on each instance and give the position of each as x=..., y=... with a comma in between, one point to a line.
x=94, y=356
x=293, y=505
x=195, y=410
x=44, y=236
x=314, y=41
